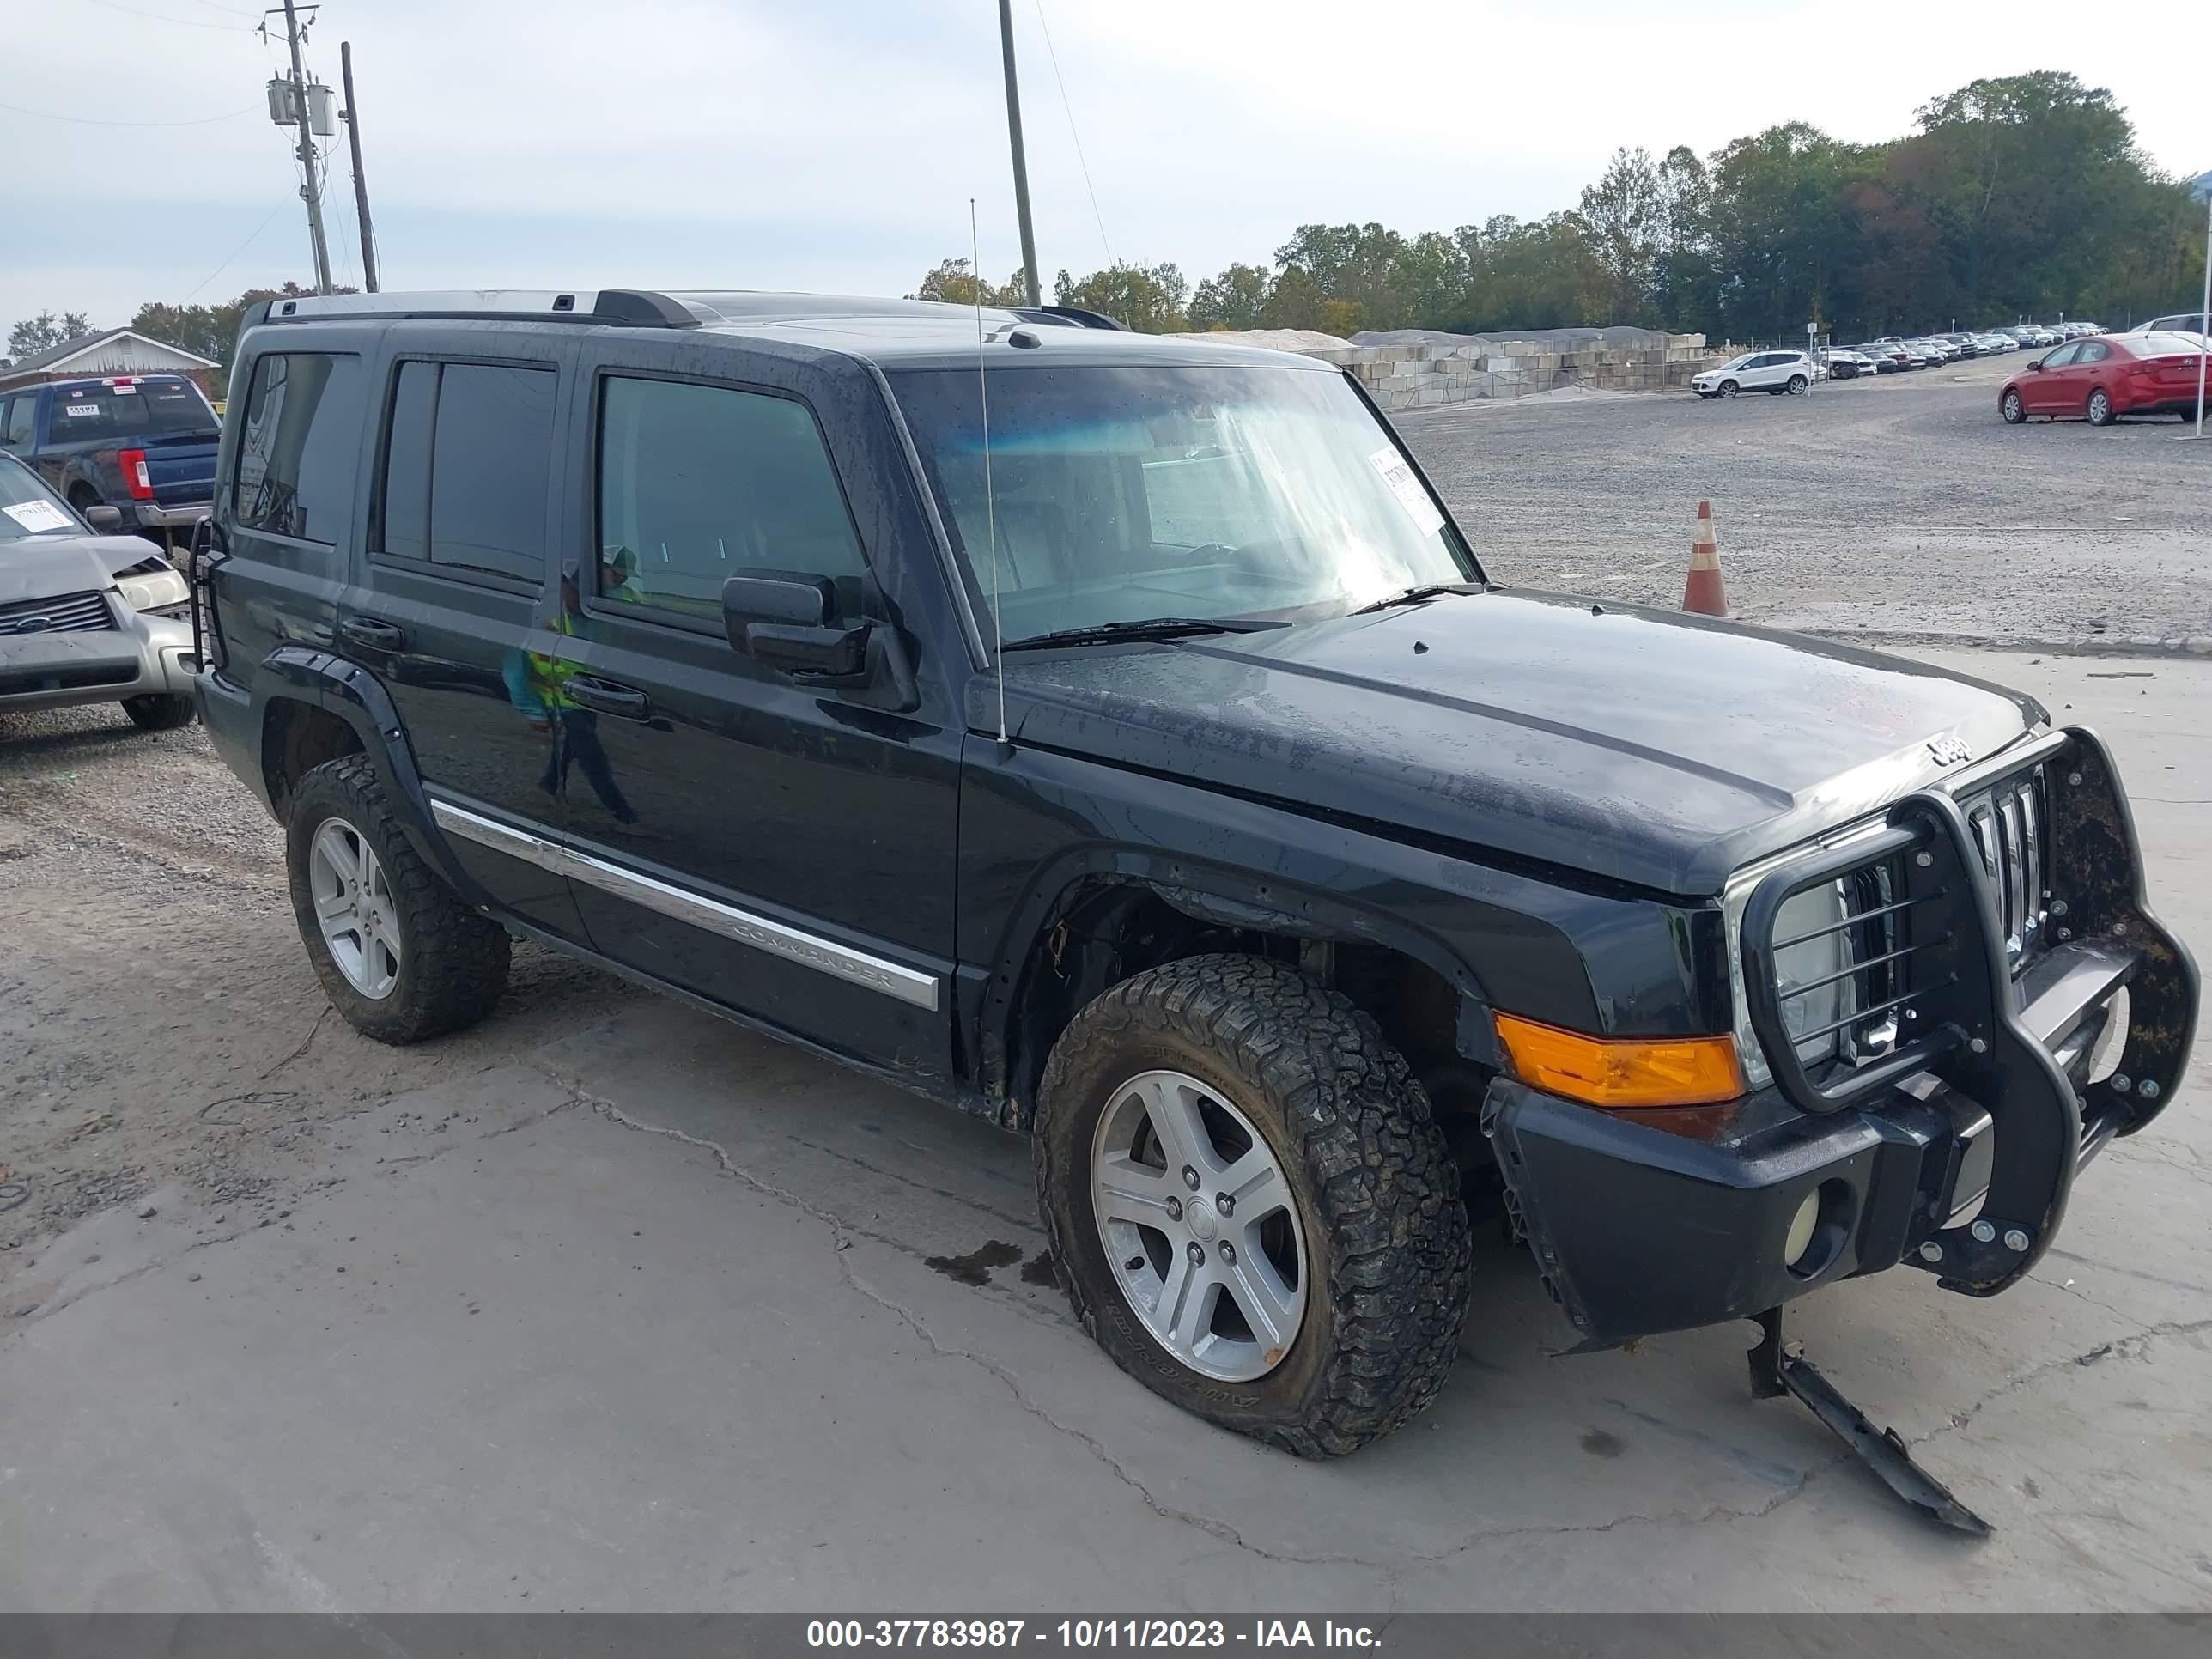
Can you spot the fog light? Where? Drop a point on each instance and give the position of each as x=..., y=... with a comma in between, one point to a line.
x=1797, y=1243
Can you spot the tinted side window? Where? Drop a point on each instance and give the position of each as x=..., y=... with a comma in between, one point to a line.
x=698, y=483
x=401, y=528
x=23, y=415
x=298, y=437
x=467, y=463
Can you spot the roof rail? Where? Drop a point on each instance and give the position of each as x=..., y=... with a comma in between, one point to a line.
x=1069, y=317
x=617, y=306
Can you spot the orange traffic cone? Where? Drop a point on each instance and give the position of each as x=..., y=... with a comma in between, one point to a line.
x=1702, y=593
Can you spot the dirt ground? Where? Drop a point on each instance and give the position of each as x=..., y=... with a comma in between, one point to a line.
x=1886, y=510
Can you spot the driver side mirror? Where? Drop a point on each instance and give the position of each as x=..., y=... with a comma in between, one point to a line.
x=104, y=519
x=788, y=623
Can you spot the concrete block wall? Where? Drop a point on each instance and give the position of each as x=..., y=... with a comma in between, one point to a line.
x=1430, y=375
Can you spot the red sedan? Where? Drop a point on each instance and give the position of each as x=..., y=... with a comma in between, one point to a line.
x=2102, y=379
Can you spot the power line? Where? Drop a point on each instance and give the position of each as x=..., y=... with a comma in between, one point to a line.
x=1069, y=110
x=96, y=121
x=234, y=252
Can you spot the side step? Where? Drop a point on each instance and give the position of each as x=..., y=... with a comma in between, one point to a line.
x=1776, y=1371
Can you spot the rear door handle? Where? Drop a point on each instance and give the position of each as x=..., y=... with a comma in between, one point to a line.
x=605, y=697
x=376, y=636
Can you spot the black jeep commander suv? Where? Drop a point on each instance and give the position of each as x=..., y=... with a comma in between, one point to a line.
x=1116, y=737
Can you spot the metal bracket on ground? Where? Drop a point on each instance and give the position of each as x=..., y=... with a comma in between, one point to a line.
x=1776, y=1371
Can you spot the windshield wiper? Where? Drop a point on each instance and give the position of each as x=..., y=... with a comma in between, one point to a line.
x=1148, y=628
x=1426, y=591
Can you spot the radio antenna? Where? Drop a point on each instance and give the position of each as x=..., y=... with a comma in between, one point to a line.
x=990, y=500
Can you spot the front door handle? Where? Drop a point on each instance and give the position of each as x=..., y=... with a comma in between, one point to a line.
x=605, y=697
x=375, y=636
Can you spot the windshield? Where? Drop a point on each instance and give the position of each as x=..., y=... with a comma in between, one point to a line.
x=29, y=508
x=130, y=408
x=1120, y=495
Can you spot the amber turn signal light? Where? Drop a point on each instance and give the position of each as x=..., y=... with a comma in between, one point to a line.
x=1622, y=1073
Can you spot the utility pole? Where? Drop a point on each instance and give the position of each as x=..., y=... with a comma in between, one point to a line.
x=2204, y=320
x=359, y=183
x=310, y=190
x=1021, y=167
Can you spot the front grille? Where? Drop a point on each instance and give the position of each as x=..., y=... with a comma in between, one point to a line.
x=2011, y=828
x=66, y=613
x=1865, y=961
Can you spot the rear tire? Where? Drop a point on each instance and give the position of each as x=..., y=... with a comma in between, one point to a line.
x=2100, y=408
x=160, y=712
x=1797, y=385
x=1364, y=1199
x=426, y=963
x=2012, y=409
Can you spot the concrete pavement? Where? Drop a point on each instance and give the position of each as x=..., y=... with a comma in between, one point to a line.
x=652, y=1314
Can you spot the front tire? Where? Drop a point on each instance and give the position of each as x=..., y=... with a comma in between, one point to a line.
x=159, y=712
x=1729, y=388
x=2012, y=409
x=2100, y=408
x=1323, y=1308
x=398, y=954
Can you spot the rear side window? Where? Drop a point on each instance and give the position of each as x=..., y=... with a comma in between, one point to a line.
x=467, y=467
x=299, y=438
x=22, y=417
x=2094, y=352
x=698, y=483
x=130, y=408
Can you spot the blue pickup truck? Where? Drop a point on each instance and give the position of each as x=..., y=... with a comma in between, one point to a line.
x=143, y=444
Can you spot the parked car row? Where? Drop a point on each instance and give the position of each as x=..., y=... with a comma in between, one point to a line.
x=1895, y=353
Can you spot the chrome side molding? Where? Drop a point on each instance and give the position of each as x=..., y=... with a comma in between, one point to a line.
x=825, y=956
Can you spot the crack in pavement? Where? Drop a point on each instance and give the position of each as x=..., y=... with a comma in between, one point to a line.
x=842, y=1233
x=2133, y=1346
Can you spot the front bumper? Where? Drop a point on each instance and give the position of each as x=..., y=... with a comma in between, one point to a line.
x=1958, y=1160
x=147, y=656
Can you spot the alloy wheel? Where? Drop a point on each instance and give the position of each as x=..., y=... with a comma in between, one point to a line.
x=1197, y=1218
x=355, y=909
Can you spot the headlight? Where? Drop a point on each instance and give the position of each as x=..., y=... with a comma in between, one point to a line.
x=157, y=590
x=1821, y=963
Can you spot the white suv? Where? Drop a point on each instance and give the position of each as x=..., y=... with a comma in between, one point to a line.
x=1777, y=372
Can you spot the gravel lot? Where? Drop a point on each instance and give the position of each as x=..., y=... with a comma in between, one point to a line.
x=1893, y=509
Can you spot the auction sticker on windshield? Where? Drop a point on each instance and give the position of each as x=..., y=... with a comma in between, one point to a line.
x=35, y=516
x=1407, y=489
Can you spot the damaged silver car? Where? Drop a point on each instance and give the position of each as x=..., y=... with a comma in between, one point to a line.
x=86, y=616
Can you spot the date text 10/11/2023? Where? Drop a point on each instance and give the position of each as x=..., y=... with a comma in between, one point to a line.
x=1082, y=1634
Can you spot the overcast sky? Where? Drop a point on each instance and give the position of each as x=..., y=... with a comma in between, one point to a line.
x=830, y=145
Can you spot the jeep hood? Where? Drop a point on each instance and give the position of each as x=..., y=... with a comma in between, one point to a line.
x=1638, y=745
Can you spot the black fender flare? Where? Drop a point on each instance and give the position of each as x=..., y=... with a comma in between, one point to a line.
x=337, y=685
x=1229, y=895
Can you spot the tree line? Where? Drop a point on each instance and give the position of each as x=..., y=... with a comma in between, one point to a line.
x=2022, y=196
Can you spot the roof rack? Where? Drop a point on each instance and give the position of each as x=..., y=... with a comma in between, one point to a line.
x=615, y=307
